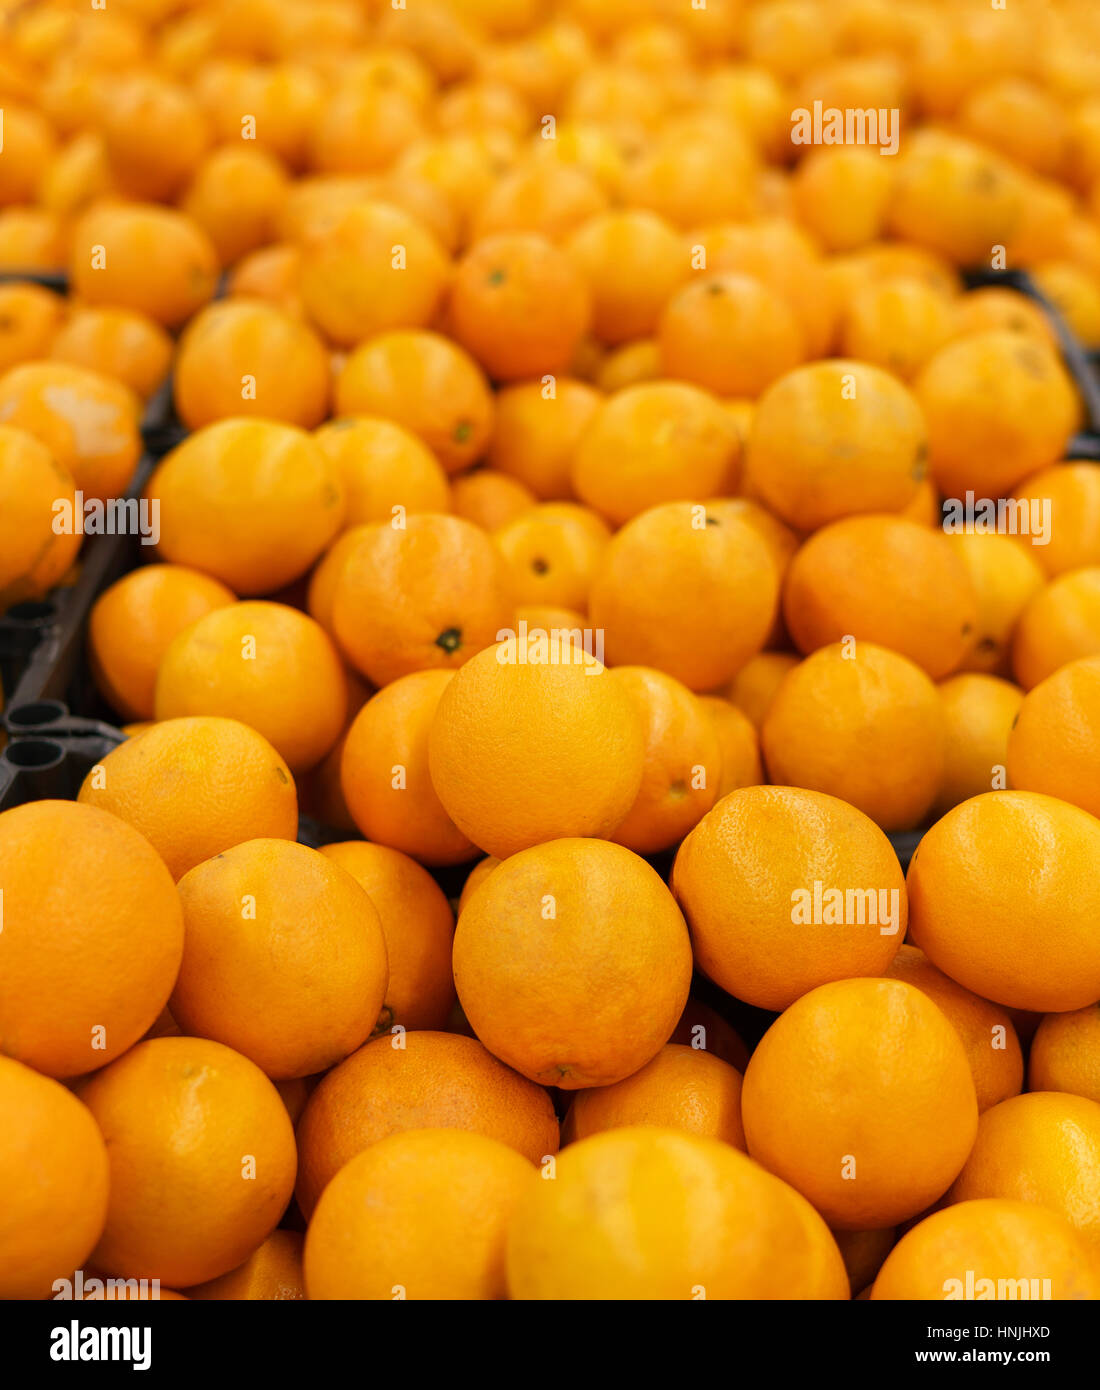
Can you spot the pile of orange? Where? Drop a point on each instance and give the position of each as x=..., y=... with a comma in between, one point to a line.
x=612, y=520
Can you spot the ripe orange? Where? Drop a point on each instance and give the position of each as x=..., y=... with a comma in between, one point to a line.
x=841, y=194
x=549, y=200
x=998, y=405
x=862, y=723
x=1074, y=293
x=833, y=438
x=687, y=590
x=534, y=742
x=144, y=257
x=270, y=273
x=572, y=963
x=133, y=623
x=753, y=688
x=986, y=1030
x=418, y=925
x=235, y=196
x=260, y=919
x=489, y=499
x=889, y=1116
x=682, y=763
x=1059, y=624
x=31, y=145
x=384, y=772
x=1003, y=895
x=633, y=262
x=33, y=556
x=363, y=126
x=979, y=713
x=87, y=421
x=1071, y=491
x=885, y=580
x=1065, y=1054
x=519, y=306
x=897, y=324
x=92, y=936
x=536, y=432
x=54, y=1164
x=761, y=939
x=551, y=552
x=629, y=365
x=645, y=1213
x=202, y=1159
x=374, y=268
x=428, y=594
x=251, y=502
x=729, y=333
x=658, y=442
x=128, y=346
x=273, y=1272
x=1004, y=576
x=419, y=1215
x=428, y=384
x=154, y=135
x=383, y=467
x=30, y=319
x=738, y=745
x=1054, y=743
x=266, y=664
x=417, y=1080
x=1042, y=1148
x=999, y=1248
x=995, y=308
x=245, y=357
x=682, y=1088
x=195, y=788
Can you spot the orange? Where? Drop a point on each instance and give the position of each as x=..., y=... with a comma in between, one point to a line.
x=536, y=433
x=1042, y=1148
x=519, y=306
x=682, y=1088
x=32, y=240
x=54, y=1165
x=87, y=421
x=738, y=746
x=384, y=772
x=1069, y=495
x=261, y=919
x=897, y=324
x=1065, y=1054
x=860, y=1096
x=120, y=343
x=418, y=926
x=474, y=879
x=754, y=686
x=77, y=175
x=1054, y=743
x=698, y=170
x=1075, y=294
x=885, y=580
x=30, y=144
x=833, y=438
x=426, y=383
x=33, y=556
x=1004, y=576
x=986, y=1030
x=154, y=134
x=430, y=593
x=548, y=200
x=863, y=723
x=417, y=1080
x=999, y=405
x=374, y=268
x=551, y=552
x=384, y=468
x=483, y=105
x=234, y=197
x=270, y=273
x=371, y=1236
x=273, y=1272
x=1020, y=120
x=629, y=365
x=132, y=624
x=489, y=499
x=682, y=764
x=140, y=256
x=361, y=127
x=685, y=590
x=185, y=1119
x=662, y=441
x=591, y=998
x=832, y=906
x=282, y=98
x=841, y=194
x=533, y=742
x=244, y=357
x=979, y=713
x=653, y=1213
x=266, y=664
x=30, y=319
x=1060, y=623
x=995, y=1249
x=250, y=502
x=195, y=788
x=633, y=262
x=994, y=308
x=1003, y=896
x=92, y=936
